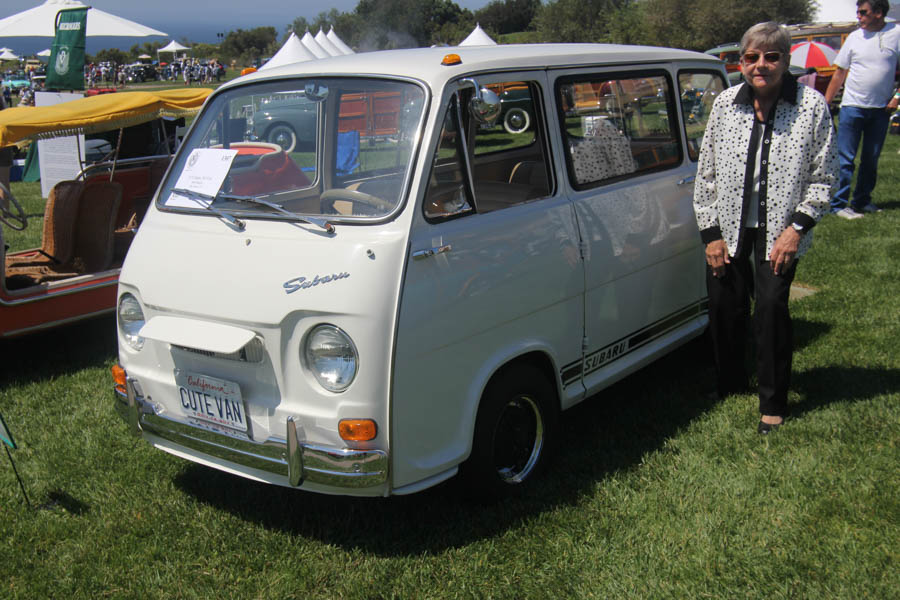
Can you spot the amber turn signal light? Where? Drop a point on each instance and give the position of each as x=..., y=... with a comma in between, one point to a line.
x=118, y=374
x=357, y=430
x=451, y=59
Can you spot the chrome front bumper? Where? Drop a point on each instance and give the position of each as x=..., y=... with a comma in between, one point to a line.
x=291, y=458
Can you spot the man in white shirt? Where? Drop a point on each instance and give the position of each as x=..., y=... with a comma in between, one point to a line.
x=866, y=63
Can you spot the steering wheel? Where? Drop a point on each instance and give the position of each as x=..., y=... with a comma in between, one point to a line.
x=17, y=221
x=354, y=196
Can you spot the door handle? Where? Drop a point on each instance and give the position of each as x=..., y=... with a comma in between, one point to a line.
x=432, y=251
x=688, y=179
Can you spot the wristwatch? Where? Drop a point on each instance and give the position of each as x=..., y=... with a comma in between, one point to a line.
x=798, y=228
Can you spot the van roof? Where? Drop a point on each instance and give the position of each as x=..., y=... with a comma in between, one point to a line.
x=425, y=63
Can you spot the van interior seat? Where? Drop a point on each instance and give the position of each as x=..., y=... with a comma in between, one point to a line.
x=531, y=173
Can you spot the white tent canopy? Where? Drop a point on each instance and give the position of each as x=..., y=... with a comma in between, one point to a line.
x=291, y=52
x=338, y=42
x=313, y=46
x=327, y=46
x=172, y=46
x=7, y=55
x=478, y=37
x=40, y=21
x=44, y=53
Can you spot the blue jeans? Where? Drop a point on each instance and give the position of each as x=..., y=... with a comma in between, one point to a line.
x=871, y=125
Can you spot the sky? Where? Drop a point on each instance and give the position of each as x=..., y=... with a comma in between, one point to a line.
x=200, y=21
x=196, y=21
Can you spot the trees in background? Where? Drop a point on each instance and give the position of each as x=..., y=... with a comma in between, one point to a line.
x=500, y=17
x=690, y=24
x=245, y=46
x=702, y=24
x=381, y=24
x=113, y=55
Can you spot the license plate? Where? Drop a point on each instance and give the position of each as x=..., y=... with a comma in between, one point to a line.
x=211, y=401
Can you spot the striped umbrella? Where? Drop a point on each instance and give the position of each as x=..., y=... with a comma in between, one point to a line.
x=812, y=54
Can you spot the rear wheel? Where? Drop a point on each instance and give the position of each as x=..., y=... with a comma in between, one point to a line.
x=284, y=136
x=514, y=433
x=516, y=120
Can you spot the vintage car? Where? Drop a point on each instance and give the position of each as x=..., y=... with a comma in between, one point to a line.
x=414, y=292
x=140, y=72
x=278, y=118
x=15, y=84
x=730, y=54
x=90, y=221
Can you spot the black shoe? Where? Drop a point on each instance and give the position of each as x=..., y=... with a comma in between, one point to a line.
x=765, y=428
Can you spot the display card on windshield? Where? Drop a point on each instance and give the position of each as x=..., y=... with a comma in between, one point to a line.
x=203, y=173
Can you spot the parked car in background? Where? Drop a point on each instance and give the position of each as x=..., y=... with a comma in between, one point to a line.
x=730, y=54
x=139, y=73
x=15, y=84
x=516, y=107
x=286, y=120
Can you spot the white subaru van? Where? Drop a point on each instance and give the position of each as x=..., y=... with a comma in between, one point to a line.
x=365, y=274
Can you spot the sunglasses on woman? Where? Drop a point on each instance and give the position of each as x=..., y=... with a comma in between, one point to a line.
x=751, y=58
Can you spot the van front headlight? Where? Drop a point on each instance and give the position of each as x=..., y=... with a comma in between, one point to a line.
x=331, y=357
x=131, y=319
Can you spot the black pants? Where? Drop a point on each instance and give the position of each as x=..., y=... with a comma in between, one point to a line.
x=729, y=317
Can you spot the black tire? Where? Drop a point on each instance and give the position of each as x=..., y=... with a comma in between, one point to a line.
x=283, y=135
x=514, y=434
x=516, y=120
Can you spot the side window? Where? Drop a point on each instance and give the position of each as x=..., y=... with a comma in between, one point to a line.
x=372, y=136
x=447, y=195
x=516, y=126
x=508, y=159
x=698, y=91
x=617, y=127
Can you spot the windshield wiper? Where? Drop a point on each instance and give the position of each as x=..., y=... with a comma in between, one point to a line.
x=199, y=196
x=322, y=223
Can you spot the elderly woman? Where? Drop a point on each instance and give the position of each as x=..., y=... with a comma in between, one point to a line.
x=766, y=167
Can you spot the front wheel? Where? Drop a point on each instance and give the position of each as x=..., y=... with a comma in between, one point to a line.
x=514, y=433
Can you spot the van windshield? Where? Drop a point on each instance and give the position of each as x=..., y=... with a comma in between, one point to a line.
x=336, y=147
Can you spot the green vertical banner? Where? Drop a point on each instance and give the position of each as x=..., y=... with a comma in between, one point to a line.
x=65, y=71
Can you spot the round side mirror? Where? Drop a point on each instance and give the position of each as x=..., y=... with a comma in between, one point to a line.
x=484, y=106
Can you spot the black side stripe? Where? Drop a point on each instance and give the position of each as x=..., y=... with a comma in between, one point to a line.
x=573, y=371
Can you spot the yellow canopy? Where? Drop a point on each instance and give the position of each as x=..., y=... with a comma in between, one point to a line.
x=104, y=112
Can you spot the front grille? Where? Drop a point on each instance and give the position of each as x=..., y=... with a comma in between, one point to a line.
x=253, y=352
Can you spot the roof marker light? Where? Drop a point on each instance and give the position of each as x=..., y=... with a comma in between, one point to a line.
x=451, y=59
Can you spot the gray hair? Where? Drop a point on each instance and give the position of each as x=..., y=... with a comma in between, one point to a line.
x=769, y=35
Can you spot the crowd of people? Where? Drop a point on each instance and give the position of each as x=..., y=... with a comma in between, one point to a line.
x=189, y=70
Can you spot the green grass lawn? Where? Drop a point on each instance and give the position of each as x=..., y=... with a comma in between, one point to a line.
x=657, y=492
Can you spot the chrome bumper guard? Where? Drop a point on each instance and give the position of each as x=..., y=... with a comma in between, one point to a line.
x=289, y=457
